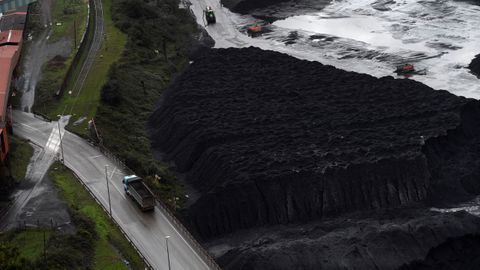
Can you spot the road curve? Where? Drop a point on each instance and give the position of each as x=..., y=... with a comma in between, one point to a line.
x=146, y=230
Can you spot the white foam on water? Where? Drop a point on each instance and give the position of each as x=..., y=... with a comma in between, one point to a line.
x=442, y=36
x=370, y=30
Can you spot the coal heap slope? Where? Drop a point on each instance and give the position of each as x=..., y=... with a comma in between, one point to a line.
x=475, y=66
x=269, y=139
x=245, y=6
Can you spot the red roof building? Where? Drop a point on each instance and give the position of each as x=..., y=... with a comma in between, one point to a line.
x=12, y=25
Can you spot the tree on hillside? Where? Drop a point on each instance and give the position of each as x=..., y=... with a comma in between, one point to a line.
x=10, y=258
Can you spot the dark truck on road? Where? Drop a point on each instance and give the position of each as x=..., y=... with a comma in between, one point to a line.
x=138, y=191
x=210, y=15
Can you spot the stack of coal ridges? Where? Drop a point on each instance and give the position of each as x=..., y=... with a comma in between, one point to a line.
x=269, y=139
x=245, y=6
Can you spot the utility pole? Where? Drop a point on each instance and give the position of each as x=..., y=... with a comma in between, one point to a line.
x=75, y=33
x=168, y=253
x=61, y=144
x=108, y=190
x=44, y=250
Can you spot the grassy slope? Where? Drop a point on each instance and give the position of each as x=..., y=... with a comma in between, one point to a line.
x=126, y=104
x=64, y=12
x=96, y=244
x=87, y=102
x=20, y=154
x=30, y=243
x=110, y=246
x=23, y=249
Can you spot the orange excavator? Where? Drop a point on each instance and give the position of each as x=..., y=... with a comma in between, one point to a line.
x=406, y=69
x=254, y=30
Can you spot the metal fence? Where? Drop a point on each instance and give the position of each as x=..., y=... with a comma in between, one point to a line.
x=120, y=163
x=145, y=261
x=168, y=213
x=187, y=235
x=38, y=224
x=85, y=44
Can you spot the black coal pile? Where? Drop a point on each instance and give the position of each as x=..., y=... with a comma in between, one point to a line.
x=271, y=10
x=475, y=2
x=268, y=139
x=244, y=6
x=475, y=66
x=457, y=253
x=412, y=239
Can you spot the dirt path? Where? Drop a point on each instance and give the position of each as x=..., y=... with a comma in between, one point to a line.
x=37, y=52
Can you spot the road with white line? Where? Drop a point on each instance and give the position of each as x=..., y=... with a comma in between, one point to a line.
x=146, y=230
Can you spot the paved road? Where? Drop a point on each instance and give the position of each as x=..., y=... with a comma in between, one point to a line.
x=147, y=230
x=224, y=32
x=27, y=202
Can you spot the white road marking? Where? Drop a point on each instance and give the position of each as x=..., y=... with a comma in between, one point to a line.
x=30, y=127
x=110, y=177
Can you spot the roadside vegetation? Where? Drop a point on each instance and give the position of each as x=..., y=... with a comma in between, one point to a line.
x=69, y=20
x=160, y=36
x=84, y=105
x=46, y=248
x=20, y=153
x=146, y=44
x=96, y=242
x=110, y=246
x=81, y=103
x=69, y=24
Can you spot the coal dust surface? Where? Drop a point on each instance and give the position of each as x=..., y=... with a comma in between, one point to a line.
x=475, y=66
x=267, y=140
x=375, y=36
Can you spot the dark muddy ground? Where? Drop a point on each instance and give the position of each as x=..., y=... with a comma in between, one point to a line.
x=272, y=10
x=267, y=139
x=44, y=209
x=35, y=201
x=385, y=240
x=456, y=253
